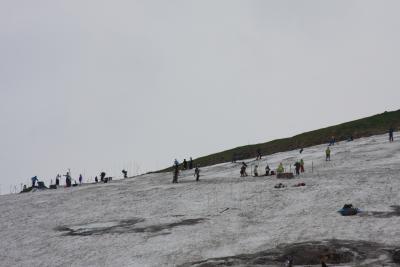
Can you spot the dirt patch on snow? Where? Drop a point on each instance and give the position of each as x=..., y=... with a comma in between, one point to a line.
x=123, y=227
x=349, y=252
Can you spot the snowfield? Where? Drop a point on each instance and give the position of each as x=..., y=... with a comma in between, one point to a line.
x=223, y=219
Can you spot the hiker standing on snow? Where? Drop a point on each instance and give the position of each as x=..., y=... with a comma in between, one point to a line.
x=190, y=163
x=58, y=179
x=197, y=173
x=297, y=165
x=184, y=164
x=243, y=170
x=175, y=174
x=328, y=154
x=258, y=154
x=68, y=179
x=267, y=169
x=391, y=130
x=280, y=168
x=332, y=141
x=102, y=176
x=302, y=165
x=256, y=170
x=80, y=178
x=125, y=173
x=34, y=180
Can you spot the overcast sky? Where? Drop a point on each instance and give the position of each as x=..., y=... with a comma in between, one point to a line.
x=105, y=85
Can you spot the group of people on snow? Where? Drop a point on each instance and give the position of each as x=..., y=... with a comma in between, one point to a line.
x=185, y=166
x=299, y=166
x=68, y=180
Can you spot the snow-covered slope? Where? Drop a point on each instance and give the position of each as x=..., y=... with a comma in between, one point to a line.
x=148, y=221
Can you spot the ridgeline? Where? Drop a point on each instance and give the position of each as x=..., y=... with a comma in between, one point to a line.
x=377, y=124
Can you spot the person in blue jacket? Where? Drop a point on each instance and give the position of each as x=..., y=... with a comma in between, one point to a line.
x=34, y=180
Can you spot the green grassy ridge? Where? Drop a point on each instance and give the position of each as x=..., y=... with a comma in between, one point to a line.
x=373, y=125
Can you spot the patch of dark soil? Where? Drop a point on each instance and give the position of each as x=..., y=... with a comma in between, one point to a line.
x=396, y=255
x=122, y=227
x=349, y=252
x=383, y=214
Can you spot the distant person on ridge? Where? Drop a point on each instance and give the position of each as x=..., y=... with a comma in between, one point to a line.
x=96, y=180
x=175, y=174
x=391, y=130
x=302, y=165
x=190, y=163
x=125, y=173
x=58, y=179
x=68, y=179
x=102, y=176
x=259, y=155
x=34, y=180
x=332, y=141
x=328, y=154
x=197, y=173
x=184, y=164
x=234, y=158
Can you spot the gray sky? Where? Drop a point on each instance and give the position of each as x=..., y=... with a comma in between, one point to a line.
x=93, y=85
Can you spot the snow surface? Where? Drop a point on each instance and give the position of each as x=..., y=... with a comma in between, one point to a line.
x=148, y=221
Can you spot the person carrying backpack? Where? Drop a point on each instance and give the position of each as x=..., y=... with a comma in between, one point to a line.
x=280, y=168
x=297, y=165
x=102, y=176
x=34, y=180
x=267, y=170
x=328, y=154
